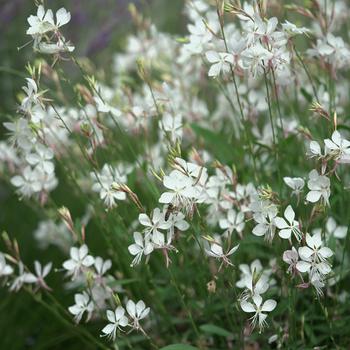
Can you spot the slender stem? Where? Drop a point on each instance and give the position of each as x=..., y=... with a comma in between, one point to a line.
x=277, y=100
x=307, y=73
x=273, y=130
x=243, y=120
x=270, y=110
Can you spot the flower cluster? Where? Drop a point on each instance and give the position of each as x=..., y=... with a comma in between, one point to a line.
x=45, y=31
x=197, y=159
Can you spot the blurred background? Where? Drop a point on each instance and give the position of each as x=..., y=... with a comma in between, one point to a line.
x=98, y=29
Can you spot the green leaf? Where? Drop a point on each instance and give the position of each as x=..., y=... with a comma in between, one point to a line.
x=212, y=329
x=179, y=347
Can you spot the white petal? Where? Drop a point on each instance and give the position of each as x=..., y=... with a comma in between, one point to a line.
x=144, y=220
x=317, y=240
x=109, y=329
x=289, y=214
x=138, y=238
x=144, y=313
x=17, y=181
x=315, y=148
x=166, y=197
x=281, y=223
x=74, y=253
x=83, y=251
x=269, y=305
x=214, y=70
x=303, y=266
x=233, y=250
x=123, y=321
x=247, y=307
x=88, y=261
x=305, y=252
x=324, y=268
x=140, y=306
x=119, y=312
x=257, y=299
x=325, y=252
x=216, y=249
x=285, y=234
x=110, y=316
x=69, y=265
x=62, y=16
x=47, y=269
x=148, y=248
x=134, y=249
x=313, y=196
x=340, y=232
x=259, y=230
x=212, y=56
x=336, y=137
x=74, y=309
x=131, y=308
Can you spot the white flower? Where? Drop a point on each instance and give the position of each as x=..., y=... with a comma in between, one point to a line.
x=41, y=273
x=266, y=222
x=20, y=133
x=288, y=225
x=82, y=304
x=54, y=48
x=220, y=62
x=291, y=29
x=117, y=320
x=199, y=36
x=157, y=223
x=253, y=279
x=254, y=59
x=23, y=277
x=105, y=179
x=319, y=186
x=181, y=193
x=264, y=29
x=338, y=147
x=40, y=27
x=27, y=183
x=172, y=125
x=160, y=241
x=295, y=183
x=260, y=309
x=142, y=246
x=41, y=158
x=333, y=50
x=44, y=22
x=32, y=96
x=314, y=256
x=216, y=251
x=333, y=229
x=5, y=270
x=78, y=261
x=234, y=221
x=101, y=266
x=177, y=222
x=137, y=312
x=315, y=149
x=291, y=257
